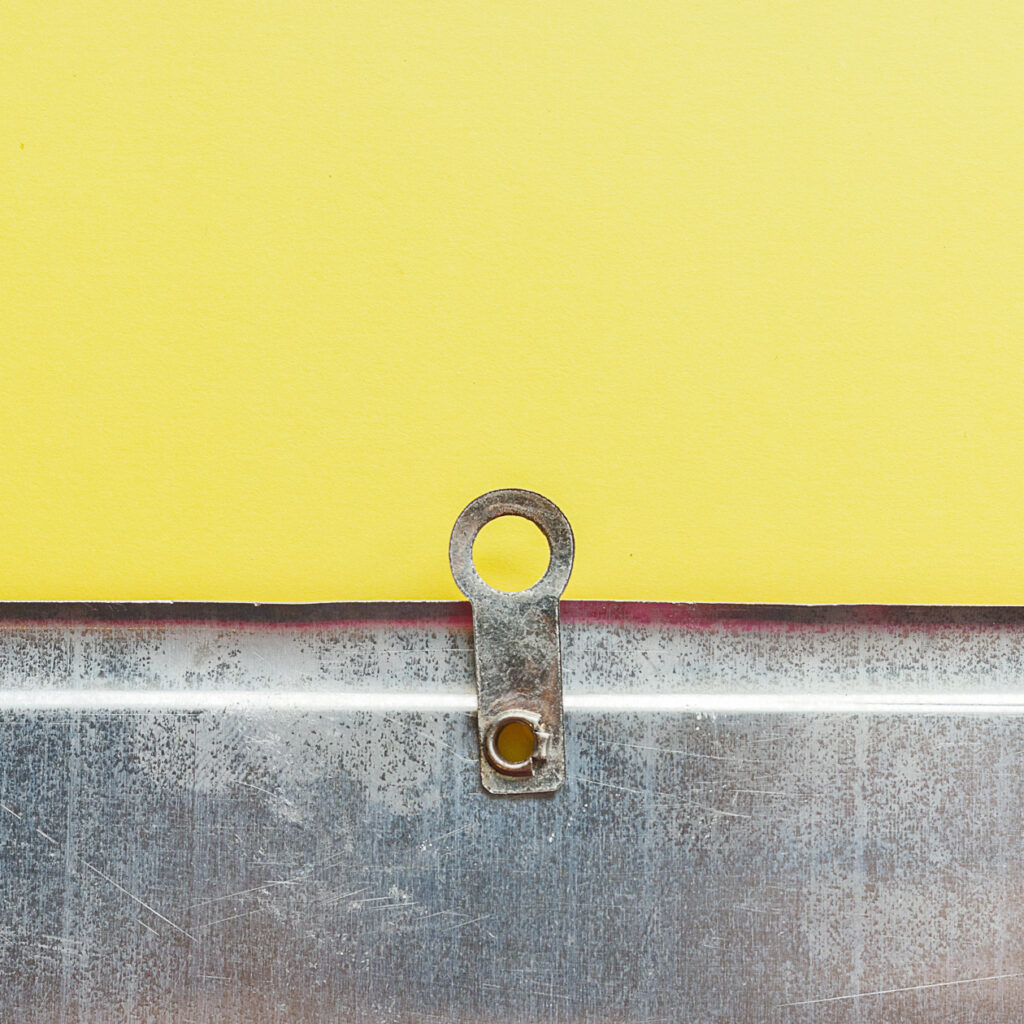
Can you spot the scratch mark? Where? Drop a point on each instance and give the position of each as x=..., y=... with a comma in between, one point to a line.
x=241, y=892
x=9, y=811
x=454, y=832
x=681, y=753
x=622, y=789
x=666, y=796
x=48, y=838
x=465, y=924
x=448, y=746
x=142, y=903
x=260, y=789
x=146, y=926
x=908, y=988
x=354, y=892
x=233, y=917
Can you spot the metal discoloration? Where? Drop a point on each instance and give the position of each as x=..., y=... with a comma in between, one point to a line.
x=234, y=859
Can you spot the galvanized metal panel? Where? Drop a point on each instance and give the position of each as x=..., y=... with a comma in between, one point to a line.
x=265, y=815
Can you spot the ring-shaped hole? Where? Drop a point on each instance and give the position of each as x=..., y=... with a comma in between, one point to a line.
x=511, y=553
x=511, y=502
x=515, y=742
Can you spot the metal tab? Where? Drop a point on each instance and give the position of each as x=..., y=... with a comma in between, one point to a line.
x=517, y=646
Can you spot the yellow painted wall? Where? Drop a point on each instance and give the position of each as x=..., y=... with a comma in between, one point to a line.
x=738, y=284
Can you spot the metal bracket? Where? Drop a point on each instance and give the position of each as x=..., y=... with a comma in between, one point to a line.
x=517, y=645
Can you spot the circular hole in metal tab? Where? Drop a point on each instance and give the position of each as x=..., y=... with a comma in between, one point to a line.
x=511, y=502
x=511, y=553
x=515, y=741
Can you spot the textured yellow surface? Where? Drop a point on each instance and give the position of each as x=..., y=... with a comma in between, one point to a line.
x=737, y=284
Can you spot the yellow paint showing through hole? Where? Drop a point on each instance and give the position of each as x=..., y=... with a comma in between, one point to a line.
x=511, y=553
x=515, y=742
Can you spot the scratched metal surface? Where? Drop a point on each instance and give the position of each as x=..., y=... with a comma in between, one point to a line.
x=275, y=815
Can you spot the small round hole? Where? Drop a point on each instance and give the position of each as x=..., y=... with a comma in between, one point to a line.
x=510, y=553
x=515, y=743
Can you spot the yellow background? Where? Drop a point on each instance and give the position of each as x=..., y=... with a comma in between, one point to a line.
x=738, y=284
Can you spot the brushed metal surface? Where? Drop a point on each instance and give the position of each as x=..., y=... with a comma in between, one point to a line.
x=228, y=814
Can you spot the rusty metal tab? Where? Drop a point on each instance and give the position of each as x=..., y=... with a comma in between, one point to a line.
x=517, y=647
